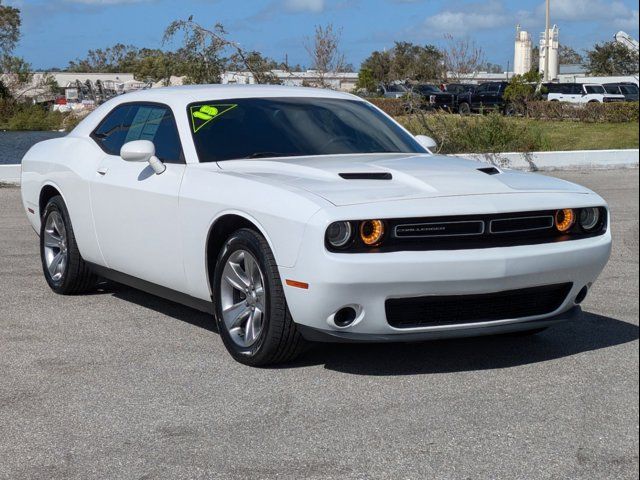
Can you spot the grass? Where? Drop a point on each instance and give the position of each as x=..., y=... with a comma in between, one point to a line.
x=493, y=133
x=585, y=136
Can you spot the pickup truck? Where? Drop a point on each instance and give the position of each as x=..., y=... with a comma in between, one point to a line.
x=431, y=97
x=486, y=96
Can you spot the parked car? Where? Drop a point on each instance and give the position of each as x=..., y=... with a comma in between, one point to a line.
x=395, y=90
x=431, y=97
x=296, y=214
x=580, y=93
x=485, y=97
x=628, y=89
x=459, y=88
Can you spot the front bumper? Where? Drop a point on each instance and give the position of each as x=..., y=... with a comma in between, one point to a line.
x=367, y=280
x=334, y=336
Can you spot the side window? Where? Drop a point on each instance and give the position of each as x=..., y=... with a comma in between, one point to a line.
x=156, y=124
x=141, y=122
x=482, y=88
x=110, y=134
x=576, y=89
x=493, y=88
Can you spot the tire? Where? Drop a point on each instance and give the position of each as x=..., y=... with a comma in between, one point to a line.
x=265, y=334
x=70, y=275
x=464, y=109
x=509, y=110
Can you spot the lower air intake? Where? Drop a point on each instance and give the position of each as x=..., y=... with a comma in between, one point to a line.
x=431, y=311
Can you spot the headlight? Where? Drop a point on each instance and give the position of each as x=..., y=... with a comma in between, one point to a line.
x=565, y=219
x=339, y=234
x=589, y=218
x=372, y=232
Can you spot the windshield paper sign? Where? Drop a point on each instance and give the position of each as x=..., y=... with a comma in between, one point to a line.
x=203, y=114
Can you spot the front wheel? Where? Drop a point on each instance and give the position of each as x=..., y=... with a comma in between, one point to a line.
x=251, y=311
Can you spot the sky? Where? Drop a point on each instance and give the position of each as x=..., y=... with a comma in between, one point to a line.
x=56, y=31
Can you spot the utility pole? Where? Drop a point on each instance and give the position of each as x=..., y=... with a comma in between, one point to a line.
x=547, y=42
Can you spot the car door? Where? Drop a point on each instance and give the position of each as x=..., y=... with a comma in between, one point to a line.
x=493, y=96
x=479, y=97
x=574, y=93
x=135, y=210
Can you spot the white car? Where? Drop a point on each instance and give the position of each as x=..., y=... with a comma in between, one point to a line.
x=296, y=214
x=580, y=93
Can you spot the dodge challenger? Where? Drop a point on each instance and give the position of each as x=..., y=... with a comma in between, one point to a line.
x=295, y=215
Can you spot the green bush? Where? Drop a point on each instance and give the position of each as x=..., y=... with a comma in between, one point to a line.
x=492, y=133
x=591, y=112
x=24, y=116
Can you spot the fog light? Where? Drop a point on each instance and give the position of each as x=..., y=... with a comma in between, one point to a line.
x=372, y=232
x=565, y=219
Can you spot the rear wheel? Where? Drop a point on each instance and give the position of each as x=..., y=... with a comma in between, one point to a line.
x=64, y=269
x=464, y=108
x=251, y=311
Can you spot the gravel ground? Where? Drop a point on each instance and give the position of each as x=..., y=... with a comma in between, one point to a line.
x=121, y=384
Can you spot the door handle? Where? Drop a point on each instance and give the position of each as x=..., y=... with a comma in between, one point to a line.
x=103, y=170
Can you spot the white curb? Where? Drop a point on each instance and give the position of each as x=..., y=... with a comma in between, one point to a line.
x=571, y=160
x=10, y=174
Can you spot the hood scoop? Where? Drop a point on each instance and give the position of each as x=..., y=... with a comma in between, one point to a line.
x=489, y=170
x=366, y=176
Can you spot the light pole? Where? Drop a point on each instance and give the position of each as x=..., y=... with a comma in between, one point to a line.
x=547, y=40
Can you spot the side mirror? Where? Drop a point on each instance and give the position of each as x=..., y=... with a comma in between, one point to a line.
x=426, y=142
x=142, y=151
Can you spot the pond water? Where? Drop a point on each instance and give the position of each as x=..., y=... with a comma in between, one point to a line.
x=13, y=145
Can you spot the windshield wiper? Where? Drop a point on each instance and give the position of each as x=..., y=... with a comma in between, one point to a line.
x=271, y=154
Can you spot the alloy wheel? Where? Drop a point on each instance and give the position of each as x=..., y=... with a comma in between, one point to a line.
x=242, y=298
x=56, y=254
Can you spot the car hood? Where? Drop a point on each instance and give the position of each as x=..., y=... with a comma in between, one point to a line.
x=408, y=176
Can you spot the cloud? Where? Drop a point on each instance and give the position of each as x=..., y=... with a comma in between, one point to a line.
x=313, y=6
x=581, y=10
x=472, y=18
x=629, y=23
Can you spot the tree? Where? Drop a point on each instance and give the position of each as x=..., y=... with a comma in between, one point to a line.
x=414, y=62
x=366, y=81
x=610, y=59
x=462, y=58
x=535, y=58
x=201, y=56
x=119, y=58
x=405, y=62
x=324, y=51
x=154, y=65
x=379, y=64
x=9, y=29
x=522, y=89
x=568, y=56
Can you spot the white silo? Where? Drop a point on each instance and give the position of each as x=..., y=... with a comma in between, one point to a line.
x=522, y=52
x=554, y=64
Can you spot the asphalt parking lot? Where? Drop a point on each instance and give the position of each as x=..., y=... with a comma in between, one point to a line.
x=121, y=384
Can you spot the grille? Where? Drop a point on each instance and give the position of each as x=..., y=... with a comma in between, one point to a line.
x=433, y=311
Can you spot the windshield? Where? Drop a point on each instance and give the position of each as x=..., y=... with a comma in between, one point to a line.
x=594, y=89
x=428, y=89
x=281, y=127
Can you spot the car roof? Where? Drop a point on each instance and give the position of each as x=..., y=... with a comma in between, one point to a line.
x=190, y=93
